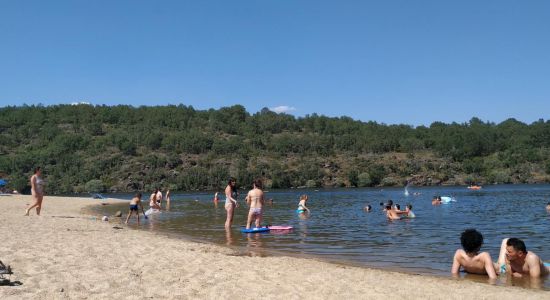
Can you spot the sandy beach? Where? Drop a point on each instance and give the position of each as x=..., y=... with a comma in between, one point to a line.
x=66, y=254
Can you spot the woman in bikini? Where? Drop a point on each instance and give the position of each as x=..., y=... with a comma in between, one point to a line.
x=255, y=200
x=37, y=190
x=230, y=201
x=153, y=200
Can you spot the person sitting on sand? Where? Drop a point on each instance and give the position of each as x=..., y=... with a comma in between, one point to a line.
x=436, y=200
x=135, y=203
x=153, y=200
x=514, y=259
x=302, y=204
x=255, y=199
x=469, y=257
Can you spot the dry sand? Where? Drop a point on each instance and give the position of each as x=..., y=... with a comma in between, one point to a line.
x=64, y=254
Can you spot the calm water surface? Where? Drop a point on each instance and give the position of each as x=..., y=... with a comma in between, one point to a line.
x=338, y=229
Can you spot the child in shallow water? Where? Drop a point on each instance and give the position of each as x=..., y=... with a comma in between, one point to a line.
x=135, y=203
x=302, y=204
x=410, y=213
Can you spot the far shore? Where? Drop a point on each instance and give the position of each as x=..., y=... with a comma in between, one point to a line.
x=66, y=254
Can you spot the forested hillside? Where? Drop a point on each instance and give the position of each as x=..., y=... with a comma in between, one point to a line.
x=123, y=148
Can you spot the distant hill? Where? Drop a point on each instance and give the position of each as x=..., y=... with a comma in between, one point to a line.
x=85, y=148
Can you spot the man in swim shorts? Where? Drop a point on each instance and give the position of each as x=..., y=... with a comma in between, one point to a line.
x=469, y=257
x=255, y=200
x=514, y=259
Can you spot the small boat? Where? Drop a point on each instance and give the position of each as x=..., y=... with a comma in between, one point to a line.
x=474, y=187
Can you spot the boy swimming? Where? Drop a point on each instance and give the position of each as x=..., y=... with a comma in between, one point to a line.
x=469, y=257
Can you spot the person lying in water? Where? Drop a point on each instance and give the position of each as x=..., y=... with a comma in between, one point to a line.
x=469, y=257
x=514, y=259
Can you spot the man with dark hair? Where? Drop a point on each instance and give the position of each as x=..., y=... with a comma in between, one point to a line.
x=469, y=257
x=516, y=260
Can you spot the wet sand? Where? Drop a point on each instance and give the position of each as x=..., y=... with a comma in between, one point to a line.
x=66, y=254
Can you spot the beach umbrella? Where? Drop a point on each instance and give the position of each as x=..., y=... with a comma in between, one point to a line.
x=3, y=182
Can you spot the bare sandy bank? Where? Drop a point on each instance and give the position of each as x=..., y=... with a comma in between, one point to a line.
x=64, y=254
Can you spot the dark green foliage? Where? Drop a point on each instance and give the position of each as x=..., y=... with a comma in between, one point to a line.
x=128, y=148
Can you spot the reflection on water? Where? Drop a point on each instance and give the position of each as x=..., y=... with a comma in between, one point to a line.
x=338, y=229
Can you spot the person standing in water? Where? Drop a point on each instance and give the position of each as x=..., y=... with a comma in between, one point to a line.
x=168, y=199
x=153, y=200
x=230, y=201
x=37, y=190
x=135, y=204
x=158, y=198
x=216, y=199
x=255, y=200
x=302, y=204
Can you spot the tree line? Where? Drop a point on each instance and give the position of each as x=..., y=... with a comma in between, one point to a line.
x=86, y=148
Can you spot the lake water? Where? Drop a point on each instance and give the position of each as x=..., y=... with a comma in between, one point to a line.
x=339, y=230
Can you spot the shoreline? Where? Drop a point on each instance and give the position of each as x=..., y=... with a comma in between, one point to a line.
x=241, y=250
x=64, y=254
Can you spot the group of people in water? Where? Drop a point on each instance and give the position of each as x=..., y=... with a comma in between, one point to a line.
x=513, y=259
x=155, y=203
x=255, y=199
x=393, y=211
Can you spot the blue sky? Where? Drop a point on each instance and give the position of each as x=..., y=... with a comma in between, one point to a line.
x=410, y=62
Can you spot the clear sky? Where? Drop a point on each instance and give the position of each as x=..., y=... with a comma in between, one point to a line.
x=411, y=62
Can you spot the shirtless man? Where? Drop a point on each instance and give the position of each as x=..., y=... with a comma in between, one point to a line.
x=516, y=260
x=393, y=214
x=135, y=204
x=255, y=200
x=469, y=257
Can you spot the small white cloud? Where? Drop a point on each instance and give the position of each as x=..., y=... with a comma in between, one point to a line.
x=80, y=103
x=282, y=109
